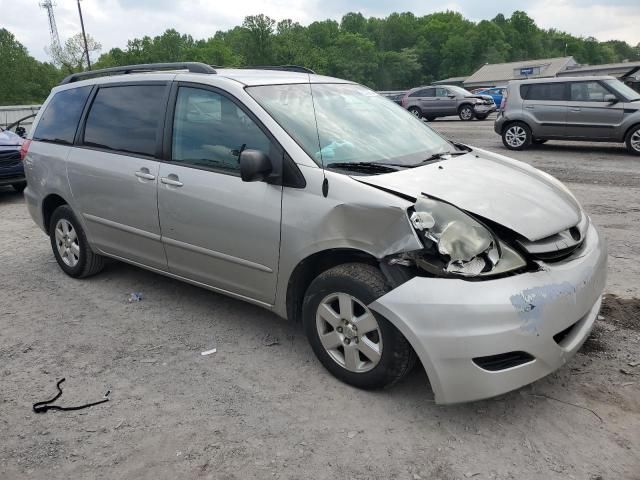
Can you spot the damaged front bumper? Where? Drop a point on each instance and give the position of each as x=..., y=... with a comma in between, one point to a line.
x=479, y=339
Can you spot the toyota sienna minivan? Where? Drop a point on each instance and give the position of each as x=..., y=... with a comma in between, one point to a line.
x=322, y=201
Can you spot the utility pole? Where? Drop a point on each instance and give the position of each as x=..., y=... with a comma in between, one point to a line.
x=84, y=36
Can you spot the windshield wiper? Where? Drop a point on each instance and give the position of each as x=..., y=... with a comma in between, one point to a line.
x=364, y=166
x=437, y=156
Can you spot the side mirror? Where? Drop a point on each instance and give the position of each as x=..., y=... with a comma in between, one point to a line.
x=255, y=165
x=611, y=99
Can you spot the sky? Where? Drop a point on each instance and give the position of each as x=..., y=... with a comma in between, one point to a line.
x=113, y=22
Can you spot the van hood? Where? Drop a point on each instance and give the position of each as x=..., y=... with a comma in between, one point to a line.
x=510, y=193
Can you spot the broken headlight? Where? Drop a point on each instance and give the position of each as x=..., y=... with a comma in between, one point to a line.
x=456, y=244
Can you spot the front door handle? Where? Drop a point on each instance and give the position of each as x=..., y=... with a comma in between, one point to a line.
x=576, y=109
x=174, y=182
x=530, y=107
x=144, y=173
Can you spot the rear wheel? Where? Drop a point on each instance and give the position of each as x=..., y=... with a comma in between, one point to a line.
x=517, y=136
x=416, y=112
x=70, y=246
x=355, y=344
x=633, y=140
x=19, y=187
x=466, y=113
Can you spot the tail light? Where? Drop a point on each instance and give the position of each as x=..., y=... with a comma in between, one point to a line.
x=24, y=149
x=503, y=102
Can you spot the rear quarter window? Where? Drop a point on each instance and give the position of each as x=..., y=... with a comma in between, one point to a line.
x=126, y=119
x=544, y=91
x=60, y=119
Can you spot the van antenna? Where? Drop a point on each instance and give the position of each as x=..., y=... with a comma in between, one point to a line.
x=325, y=182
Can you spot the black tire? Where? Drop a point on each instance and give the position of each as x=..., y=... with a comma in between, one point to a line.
x=19, y=187
x=466, y=113
x=526, y=136
x=633, y=136
x=430, y=119
x=416, y=112
x=88, y=263
x=365, y=283
x=539, y=141
x=481, y=116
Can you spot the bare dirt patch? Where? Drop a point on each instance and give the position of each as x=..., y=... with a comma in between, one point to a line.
x=623, y=312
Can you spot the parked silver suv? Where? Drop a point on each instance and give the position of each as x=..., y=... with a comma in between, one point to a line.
x=595, y=109
x=325, y=203
x=445, y=100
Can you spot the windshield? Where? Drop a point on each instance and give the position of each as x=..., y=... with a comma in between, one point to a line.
x=459, y=90
x=354, y=124
x=626, y=91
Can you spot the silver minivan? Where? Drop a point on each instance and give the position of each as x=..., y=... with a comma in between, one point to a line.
x=595, y=109
x=322, y=201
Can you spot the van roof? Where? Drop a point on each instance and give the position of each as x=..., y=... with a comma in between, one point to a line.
x=247, y=76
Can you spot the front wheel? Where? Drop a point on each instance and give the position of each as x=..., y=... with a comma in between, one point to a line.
x=19, y=186
x=70, y=245
x=517, y=136
x=466, y=113
x=633, y=140
x=355, y=344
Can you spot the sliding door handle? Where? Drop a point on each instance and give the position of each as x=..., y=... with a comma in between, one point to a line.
x=146, y=175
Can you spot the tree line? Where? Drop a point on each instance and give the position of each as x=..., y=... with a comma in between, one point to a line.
x=397, y=52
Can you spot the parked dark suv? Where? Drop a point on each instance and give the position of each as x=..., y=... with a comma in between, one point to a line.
x=596, y=109
x=445, y=100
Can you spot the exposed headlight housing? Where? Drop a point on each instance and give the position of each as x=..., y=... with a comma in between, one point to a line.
x=457, y=244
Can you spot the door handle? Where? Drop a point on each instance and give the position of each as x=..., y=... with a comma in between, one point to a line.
x=171, y=181
x=576, y=109
x=146, y=175
x=530, y=107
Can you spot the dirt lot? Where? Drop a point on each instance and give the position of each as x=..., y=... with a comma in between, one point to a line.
x=263, y=407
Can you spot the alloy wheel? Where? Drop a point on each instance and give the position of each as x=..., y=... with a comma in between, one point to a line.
x=635, y=140
x=67, y=243
x=349, y=332
x=466, y=113
x=516, y=136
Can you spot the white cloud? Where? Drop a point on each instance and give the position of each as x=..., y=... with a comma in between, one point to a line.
x=602, y=21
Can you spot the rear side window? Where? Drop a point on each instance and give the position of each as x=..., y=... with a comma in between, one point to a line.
x=426, y=92
x=126, y=119
x=59, y=121
x=544, y=91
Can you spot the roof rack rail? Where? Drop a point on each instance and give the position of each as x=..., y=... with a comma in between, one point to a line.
x=193, y=67
x=284, y=68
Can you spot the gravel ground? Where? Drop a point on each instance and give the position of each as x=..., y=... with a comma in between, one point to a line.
x=263, y=407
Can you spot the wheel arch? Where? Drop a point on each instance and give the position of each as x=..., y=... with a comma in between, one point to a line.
x=49, y=205
x=629, y=130
x=313, y=265
x=511, y=122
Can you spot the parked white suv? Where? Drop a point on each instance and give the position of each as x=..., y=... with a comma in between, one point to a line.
x=322, y=201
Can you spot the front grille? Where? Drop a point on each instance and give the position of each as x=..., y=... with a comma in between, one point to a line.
x=556, y=255
x=502, y=361
x=9, y=158
x=558, y=246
